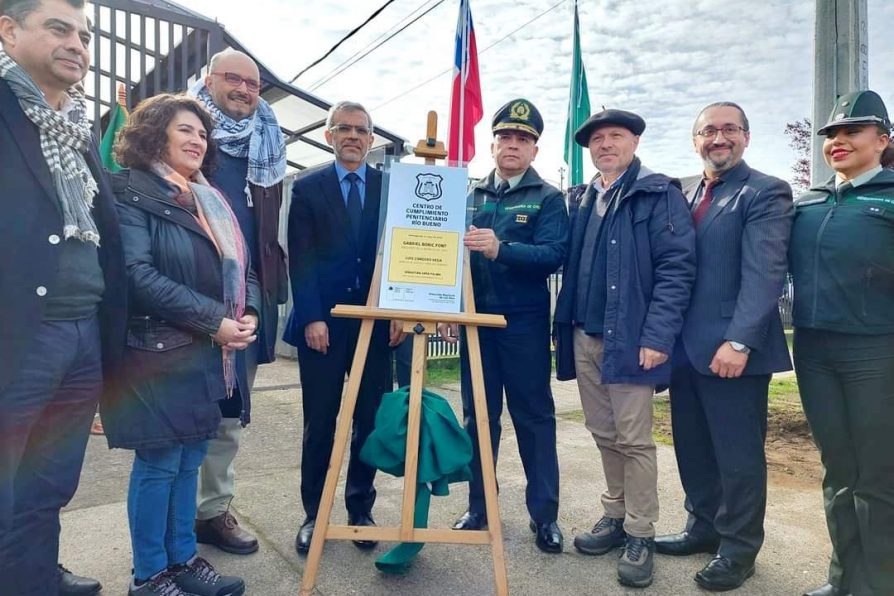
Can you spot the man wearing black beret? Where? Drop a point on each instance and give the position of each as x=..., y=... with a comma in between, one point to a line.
x=625, y=287
x=517, y=239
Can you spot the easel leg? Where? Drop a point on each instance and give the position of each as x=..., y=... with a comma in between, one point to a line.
x=491, y=501
x=414, y=422
x=343, y=429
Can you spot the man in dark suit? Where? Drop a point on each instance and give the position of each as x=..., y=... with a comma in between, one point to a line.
x=62, y=280
x=731, y=343
x=333, y=236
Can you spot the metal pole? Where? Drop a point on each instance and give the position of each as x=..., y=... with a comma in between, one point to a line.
x=841, y=65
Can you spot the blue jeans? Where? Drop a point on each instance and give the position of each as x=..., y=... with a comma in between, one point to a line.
x=45, y=416
x=161, y=506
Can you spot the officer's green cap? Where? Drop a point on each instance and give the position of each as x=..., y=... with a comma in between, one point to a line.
x=858, y=107
x=518, y=114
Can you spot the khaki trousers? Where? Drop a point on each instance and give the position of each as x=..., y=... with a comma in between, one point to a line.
x=217, y=476
x=620, y=419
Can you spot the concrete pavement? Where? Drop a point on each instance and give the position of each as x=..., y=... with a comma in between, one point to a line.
x=95, y=539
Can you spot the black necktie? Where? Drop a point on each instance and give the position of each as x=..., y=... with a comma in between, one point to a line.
x=502, y=188
x=355, y=207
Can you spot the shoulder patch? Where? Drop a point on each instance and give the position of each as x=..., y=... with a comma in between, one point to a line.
x=806, y=202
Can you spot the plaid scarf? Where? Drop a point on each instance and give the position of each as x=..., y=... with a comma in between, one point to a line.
x=64, y=138
x=217, y=219
x=257, y=138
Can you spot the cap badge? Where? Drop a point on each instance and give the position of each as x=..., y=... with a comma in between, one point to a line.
x=520, y=111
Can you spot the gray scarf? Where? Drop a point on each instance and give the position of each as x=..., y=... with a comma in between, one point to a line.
x=64, y=138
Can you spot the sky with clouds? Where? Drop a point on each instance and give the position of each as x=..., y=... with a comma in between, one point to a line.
x=662, y=59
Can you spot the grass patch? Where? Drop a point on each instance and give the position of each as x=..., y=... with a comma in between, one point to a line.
x=442, y=371
x=785, y=417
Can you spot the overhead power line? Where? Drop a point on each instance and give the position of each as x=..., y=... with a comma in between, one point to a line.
x=367, y=53
x=499, y=41
x=377, y=12
x=375, y=41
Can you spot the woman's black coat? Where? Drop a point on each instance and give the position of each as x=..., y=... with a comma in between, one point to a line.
x=172, y=374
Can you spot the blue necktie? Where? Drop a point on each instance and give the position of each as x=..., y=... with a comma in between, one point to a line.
x=355, y=207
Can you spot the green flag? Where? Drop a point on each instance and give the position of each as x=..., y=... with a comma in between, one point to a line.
x=578, y=110
x=116, y=123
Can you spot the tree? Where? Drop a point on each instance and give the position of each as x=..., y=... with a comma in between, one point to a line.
x=800, y=135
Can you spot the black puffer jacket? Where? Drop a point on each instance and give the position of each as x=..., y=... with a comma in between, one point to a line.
x=172, y=375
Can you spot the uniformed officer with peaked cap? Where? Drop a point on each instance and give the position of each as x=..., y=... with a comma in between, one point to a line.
x=517, y=237
x=842, y=260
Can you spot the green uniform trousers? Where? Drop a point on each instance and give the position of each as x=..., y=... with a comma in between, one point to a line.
x=847, y=387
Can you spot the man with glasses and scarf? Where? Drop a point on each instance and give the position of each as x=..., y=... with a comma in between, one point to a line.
x=63, y=284
x=731, y=344
x=333, y=237
x=251, y=167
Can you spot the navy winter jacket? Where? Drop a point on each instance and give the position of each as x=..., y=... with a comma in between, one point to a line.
x=651, y=265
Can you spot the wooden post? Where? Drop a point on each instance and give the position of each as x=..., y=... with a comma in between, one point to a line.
x=421, y=324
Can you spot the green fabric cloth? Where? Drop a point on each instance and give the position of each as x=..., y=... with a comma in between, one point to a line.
x=578, y=109
x=445, y=451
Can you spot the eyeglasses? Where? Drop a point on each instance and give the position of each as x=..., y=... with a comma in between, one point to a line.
x=728, y=130
x=235, y=80
x=346, y=129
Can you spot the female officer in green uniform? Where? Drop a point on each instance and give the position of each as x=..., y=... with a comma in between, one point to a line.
x=842, y=259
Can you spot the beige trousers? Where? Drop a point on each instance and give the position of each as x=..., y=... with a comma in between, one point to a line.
x=217, y=476
x=620, y=419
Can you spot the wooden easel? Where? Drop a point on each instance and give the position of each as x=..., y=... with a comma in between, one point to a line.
x=421, y=325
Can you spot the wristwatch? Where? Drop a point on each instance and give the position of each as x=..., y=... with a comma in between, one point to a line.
x=739, y=347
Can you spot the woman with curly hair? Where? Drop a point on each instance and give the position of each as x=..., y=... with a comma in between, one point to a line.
x=192, y=303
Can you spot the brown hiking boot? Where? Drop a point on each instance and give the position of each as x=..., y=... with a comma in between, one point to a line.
x=224, y=532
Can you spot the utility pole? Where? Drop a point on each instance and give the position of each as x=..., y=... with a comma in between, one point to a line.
x=841, y=65
x=562, y=179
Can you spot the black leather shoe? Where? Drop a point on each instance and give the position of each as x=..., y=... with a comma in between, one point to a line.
x=75, y=585
x=684, y=544
x=723, y=574
x=471, y=521
x=548, y=536
x=305, y=535
x=364, y=519
x=827, y=590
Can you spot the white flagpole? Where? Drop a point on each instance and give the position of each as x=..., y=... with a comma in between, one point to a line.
x=463, y=70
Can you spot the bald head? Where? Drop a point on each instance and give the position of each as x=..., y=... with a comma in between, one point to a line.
x=230, y=75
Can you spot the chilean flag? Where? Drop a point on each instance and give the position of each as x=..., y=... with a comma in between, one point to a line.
x=466, y=107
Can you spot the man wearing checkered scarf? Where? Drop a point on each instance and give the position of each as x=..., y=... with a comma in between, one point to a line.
x=62, y=281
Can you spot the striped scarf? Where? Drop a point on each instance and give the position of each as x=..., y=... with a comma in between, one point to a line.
x=257, y=138
x=217, y=219
x=64, y=138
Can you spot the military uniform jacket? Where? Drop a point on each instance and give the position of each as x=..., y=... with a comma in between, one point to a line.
x=531, y=222
x=841, y=257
